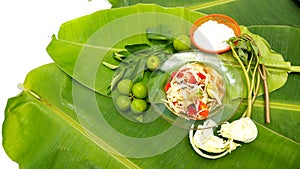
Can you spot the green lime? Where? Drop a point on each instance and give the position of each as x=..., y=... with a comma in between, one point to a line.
x=139, y=90
x=153, y=62
x=125, y=86
x=123, y=102
x=182, y=42
x=138, y=106
x=212, y=90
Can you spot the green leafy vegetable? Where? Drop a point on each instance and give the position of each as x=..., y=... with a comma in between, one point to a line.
x=138, y=48
x=246, y=52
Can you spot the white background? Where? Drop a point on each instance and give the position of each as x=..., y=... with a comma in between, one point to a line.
x=25, y=31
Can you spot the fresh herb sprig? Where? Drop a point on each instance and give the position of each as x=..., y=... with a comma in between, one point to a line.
x=247, y=53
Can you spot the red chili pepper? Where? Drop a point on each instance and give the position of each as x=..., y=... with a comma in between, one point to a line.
x=202, y=76
x=167, y=86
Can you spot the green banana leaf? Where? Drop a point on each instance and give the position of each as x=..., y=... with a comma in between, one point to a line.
x=255, y=12
x=43, y=130
x=59, y=121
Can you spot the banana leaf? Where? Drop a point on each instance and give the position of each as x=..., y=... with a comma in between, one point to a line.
x=58, y=123
x=255, y=12
x=65, y=119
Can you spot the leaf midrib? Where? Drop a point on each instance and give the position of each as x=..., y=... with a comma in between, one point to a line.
x=90, y=46
x=276, y=133
x=208, y=4
x=277, y=105
x=85, y=132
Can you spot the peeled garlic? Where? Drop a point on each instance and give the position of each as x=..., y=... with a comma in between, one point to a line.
x=243, y=130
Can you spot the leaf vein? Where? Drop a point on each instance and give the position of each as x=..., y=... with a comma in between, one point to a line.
x=272, y=131
x=90, y=46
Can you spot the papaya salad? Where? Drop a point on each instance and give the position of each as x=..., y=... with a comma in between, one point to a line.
x=194, y=90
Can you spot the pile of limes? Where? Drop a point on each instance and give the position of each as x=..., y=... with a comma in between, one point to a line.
x=131, y=97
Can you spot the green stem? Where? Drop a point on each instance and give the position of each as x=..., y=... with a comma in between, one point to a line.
x=249, y=65
x=256, y=87
x=252, y=88
x=267, y=98
x=249, y=107
x=283, y=68
x=295, y=69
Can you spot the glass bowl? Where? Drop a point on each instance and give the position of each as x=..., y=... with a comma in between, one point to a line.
x=230, y=89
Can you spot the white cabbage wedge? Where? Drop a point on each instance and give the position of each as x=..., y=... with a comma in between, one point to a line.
x=205, y=140
x=243, y=130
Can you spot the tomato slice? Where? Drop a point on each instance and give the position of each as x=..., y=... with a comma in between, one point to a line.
x=192, y=111
x=180, y=74
x=173, y=75
x=192, y=79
